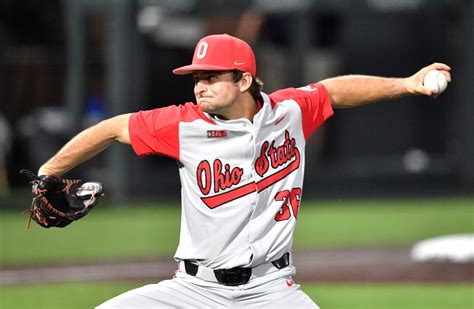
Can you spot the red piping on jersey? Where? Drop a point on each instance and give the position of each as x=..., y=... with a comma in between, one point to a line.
x=226, y=197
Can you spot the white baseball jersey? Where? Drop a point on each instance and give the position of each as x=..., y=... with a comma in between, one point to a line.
x=241, y=181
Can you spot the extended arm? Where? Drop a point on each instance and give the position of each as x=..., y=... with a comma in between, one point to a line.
x=355, y=90
x=87, y=144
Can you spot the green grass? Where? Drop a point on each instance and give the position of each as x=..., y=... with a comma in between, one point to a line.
x=109, y=232
x=381, y=222
x=392, y=296
x=103, y=234
x=332, y=296
x=61, y=295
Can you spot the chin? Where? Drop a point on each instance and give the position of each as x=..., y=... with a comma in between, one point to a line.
x=205, y=106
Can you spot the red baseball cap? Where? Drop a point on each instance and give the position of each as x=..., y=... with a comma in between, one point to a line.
x=221, y=52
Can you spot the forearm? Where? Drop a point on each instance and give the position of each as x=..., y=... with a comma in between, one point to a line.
x=355, y=90
x=86, y=145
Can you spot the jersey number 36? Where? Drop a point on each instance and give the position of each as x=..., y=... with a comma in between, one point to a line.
x=292, y=198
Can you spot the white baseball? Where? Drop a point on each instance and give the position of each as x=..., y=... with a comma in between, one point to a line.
x=435, y=81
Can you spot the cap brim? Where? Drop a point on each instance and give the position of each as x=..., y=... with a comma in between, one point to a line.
x=188, y=69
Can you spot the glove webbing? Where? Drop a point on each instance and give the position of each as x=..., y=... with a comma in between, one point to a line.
x=34, y=211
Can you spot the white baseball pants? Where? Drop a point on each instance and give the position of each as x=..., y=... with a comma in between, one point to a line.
x=270, y=288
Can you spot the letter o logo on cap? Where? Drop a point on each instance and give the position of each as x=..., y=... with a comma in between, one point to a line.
x=201, y=50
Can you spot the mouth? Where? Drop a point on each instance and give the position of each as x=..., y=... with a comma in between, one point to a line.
x=203, y=100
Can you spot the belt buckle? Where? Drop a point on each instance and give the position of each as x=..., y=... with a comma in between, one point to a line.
x=233, y=276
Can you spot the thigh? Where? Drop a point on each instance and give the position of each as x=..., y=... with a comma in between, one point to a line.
x=289, y=294
x=279, y=293
x=175, y=293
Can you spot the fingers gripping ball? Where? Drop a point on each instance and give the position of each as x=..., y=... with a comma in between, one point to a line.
x=57, y=202
x=436, y=81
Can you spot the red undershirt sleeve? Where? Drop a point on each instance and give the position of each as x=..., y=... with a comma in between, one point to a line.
x=316, y=109
x=156, y=132
x=314, y=102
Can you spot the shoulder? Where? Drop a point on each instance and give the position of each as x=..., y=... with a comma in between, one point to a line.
x=298, y=94
x=186, y=112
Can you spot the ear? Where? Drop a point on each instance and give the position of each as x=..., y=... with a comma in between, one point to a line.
x=245, y=82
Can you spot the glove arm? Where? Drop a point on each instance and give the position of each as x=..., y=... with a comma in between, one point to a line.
x=87, y=144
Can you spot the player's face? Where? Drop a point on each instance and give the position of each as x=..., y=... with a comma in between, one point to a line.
x=216, y=92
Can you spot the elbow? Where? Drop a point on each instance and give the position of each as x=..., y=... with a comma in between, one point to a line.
x=117, y=128
x=340, y=104
x=339, y=101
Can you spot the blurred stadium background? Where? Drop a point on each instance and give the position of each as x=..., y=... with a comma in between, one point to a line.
x=65, y=65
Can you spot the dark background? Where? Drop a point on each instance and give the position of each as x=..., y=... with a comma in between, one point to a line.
x=64, y=65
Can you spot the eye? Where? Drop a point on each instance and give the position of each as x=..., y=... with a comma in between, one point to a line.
x=209, y=77
x=198, y=79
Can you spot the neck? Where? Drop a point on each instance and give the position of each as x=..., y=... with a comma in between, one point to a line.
x=247, y=108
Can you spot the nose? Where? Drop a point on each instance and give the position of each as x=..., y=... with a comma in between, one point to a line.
x=199, y=88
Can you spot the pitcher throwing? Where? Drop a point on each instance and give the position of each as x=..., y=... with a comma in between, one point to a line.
x=241, y=156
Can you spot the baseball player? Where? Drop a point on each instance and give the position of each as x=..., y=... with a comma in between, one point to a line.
x=241, y=156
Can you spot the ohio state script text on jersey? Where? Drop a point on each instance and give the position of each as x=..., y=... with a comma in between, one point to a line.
x=241, y=180
x=220, y=179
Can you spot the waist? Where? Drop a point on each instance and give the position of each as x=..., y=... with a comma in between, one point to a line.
x=234, y=276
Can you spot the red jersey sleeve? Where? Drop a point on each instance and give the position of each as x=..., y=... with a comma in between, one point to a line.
x=314, y=102
x=157, y=131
